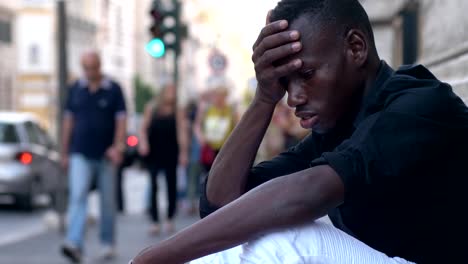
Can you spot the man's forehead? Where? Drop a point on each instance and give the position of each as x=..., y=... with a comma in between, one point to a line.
x=90, y=58
x=313, y=27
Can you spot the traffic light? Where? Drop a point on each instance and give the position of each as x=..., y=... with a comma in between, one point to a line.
x=166, y=29
x=156, y=48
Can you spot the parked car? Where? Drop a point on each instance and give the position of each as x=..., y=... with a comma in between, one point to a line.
x=29, y=159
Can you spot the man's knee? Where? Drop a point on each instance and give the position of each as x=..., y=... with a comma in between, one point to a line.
x=296, y=245
x=285, y=245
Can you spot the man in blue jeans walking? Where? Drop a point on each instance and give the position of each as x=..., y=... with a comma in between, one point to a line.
x=93, y=135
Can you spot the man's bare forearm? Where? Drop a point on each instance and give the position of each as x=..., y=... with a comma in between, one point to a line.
x=66, y=133
x=228, y=176
x=310, y=194
x=120, y=131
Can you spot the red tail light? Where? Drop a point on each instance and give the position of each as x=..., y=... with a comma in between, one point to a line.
x=132, y=141
x=24, y=157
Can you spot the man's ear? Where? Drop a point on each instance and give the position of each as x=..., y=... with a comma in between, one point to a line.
x=356, y=46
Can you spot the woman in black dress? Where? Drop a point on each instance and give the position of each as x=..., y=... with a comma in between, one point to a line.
x=163, y=146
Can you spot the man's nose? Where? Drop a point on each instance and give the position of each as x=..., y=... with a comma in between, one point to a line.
x=296, y=95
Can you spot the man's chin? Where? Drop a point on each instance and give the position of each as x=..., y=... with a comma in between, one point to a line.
x=321, y=129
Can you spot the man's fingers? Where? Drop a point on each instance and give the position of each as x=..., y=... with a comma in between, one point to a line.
x=270, y=29
x=289, y=67
x=267, y=21
x=273, y=41
x=280, y=71
x=272, y=55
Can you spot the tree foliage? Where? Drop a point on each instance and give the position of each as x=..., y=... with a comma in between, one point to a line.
x=143, y=93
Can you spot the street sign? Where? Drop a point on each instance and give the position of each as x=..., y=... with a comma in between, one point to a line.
x=217, y=62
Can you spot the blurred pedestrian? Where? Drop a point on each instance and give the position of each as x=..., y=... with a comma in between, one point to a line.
x=214, y=122
x=164, y=147
x=93, y=135
x=194, y=168
x=291, y=130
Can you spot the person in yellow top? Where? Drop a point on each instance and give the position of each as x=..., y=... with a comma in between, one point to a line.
x=214, y=122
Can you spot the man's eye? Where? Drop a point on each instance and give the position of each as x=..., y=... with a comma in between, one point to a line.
x=307, y=74
x=283, y=81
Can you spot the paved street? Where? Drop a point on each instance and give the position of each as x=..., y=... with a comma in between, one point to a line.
x=16, y=225
x=44, y=248
x=30, y=238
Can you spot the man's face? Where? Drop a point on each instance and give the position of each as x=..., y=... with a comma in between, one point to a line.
x=322, y=89
x=91, y=67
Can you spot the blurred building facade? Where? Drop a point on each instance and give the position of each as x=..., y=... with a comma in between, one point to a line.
x=444, y=41
x=35, y=65
x=8, y=54
x=430, y=32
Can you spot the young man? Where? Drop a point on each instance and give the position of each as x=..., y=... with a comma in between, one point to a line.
x=94, y=128
x=385, y=159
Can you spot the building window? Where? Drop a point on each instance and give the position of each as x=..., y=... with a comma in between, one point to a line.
x=34, y=54
x=5, y=31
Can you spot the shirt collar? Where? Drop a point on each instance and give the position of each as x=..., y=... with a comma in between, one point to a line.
x=371, y=102
x=105, y=84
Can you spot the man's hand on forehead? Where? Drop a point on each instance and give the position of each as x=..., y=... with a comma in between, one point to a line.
x=274, y=45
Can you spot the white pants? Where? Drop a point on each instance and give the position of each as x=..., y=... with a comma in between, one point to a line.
x=317, y=243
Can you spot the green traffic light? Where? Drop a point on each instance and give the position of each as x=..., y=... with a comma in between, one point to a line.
x=156, y=48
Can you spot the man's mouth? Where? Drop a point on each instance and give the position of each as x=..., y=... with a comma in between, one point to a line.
x=307, y=120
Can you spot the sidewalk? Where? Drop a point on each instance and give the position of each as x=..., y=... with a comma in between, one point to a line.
x=132, y=236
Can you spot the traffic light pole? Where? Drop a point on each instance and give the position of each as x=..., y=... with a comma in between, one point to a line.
x=60, y=195
x=177, y=48
x=176, y=73
x=62, y=61
x=160, y=31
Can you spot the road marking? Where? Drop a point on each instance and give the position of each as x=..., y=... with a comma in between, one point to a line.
x=22, y=234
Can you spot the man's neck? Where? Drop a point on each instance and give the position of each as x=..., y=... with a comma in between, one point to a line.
x=374, y=67
x=94, y=85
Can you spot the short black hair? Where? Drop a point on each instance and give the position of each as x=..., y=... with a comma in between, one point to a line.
x=345, y=14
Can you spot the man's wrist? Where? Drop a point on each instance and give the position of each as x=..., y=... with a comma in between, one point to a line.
x=119, y=146
x=264, y=104
x=266, y=99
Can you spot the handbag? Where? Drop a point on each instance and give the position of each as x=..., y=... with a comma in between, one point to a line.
x=207, y=155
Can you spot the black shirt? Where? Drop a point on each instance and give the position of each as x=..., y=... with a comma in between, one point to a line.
x=403, y=162
x=162, y=139
x=94, y=116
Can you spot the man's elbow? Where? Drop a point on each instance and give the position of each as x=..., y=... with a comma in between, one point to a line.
x=206, y=206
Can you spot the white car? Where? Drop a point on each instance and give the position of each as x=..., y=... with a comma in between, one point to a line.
x=29, y=160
